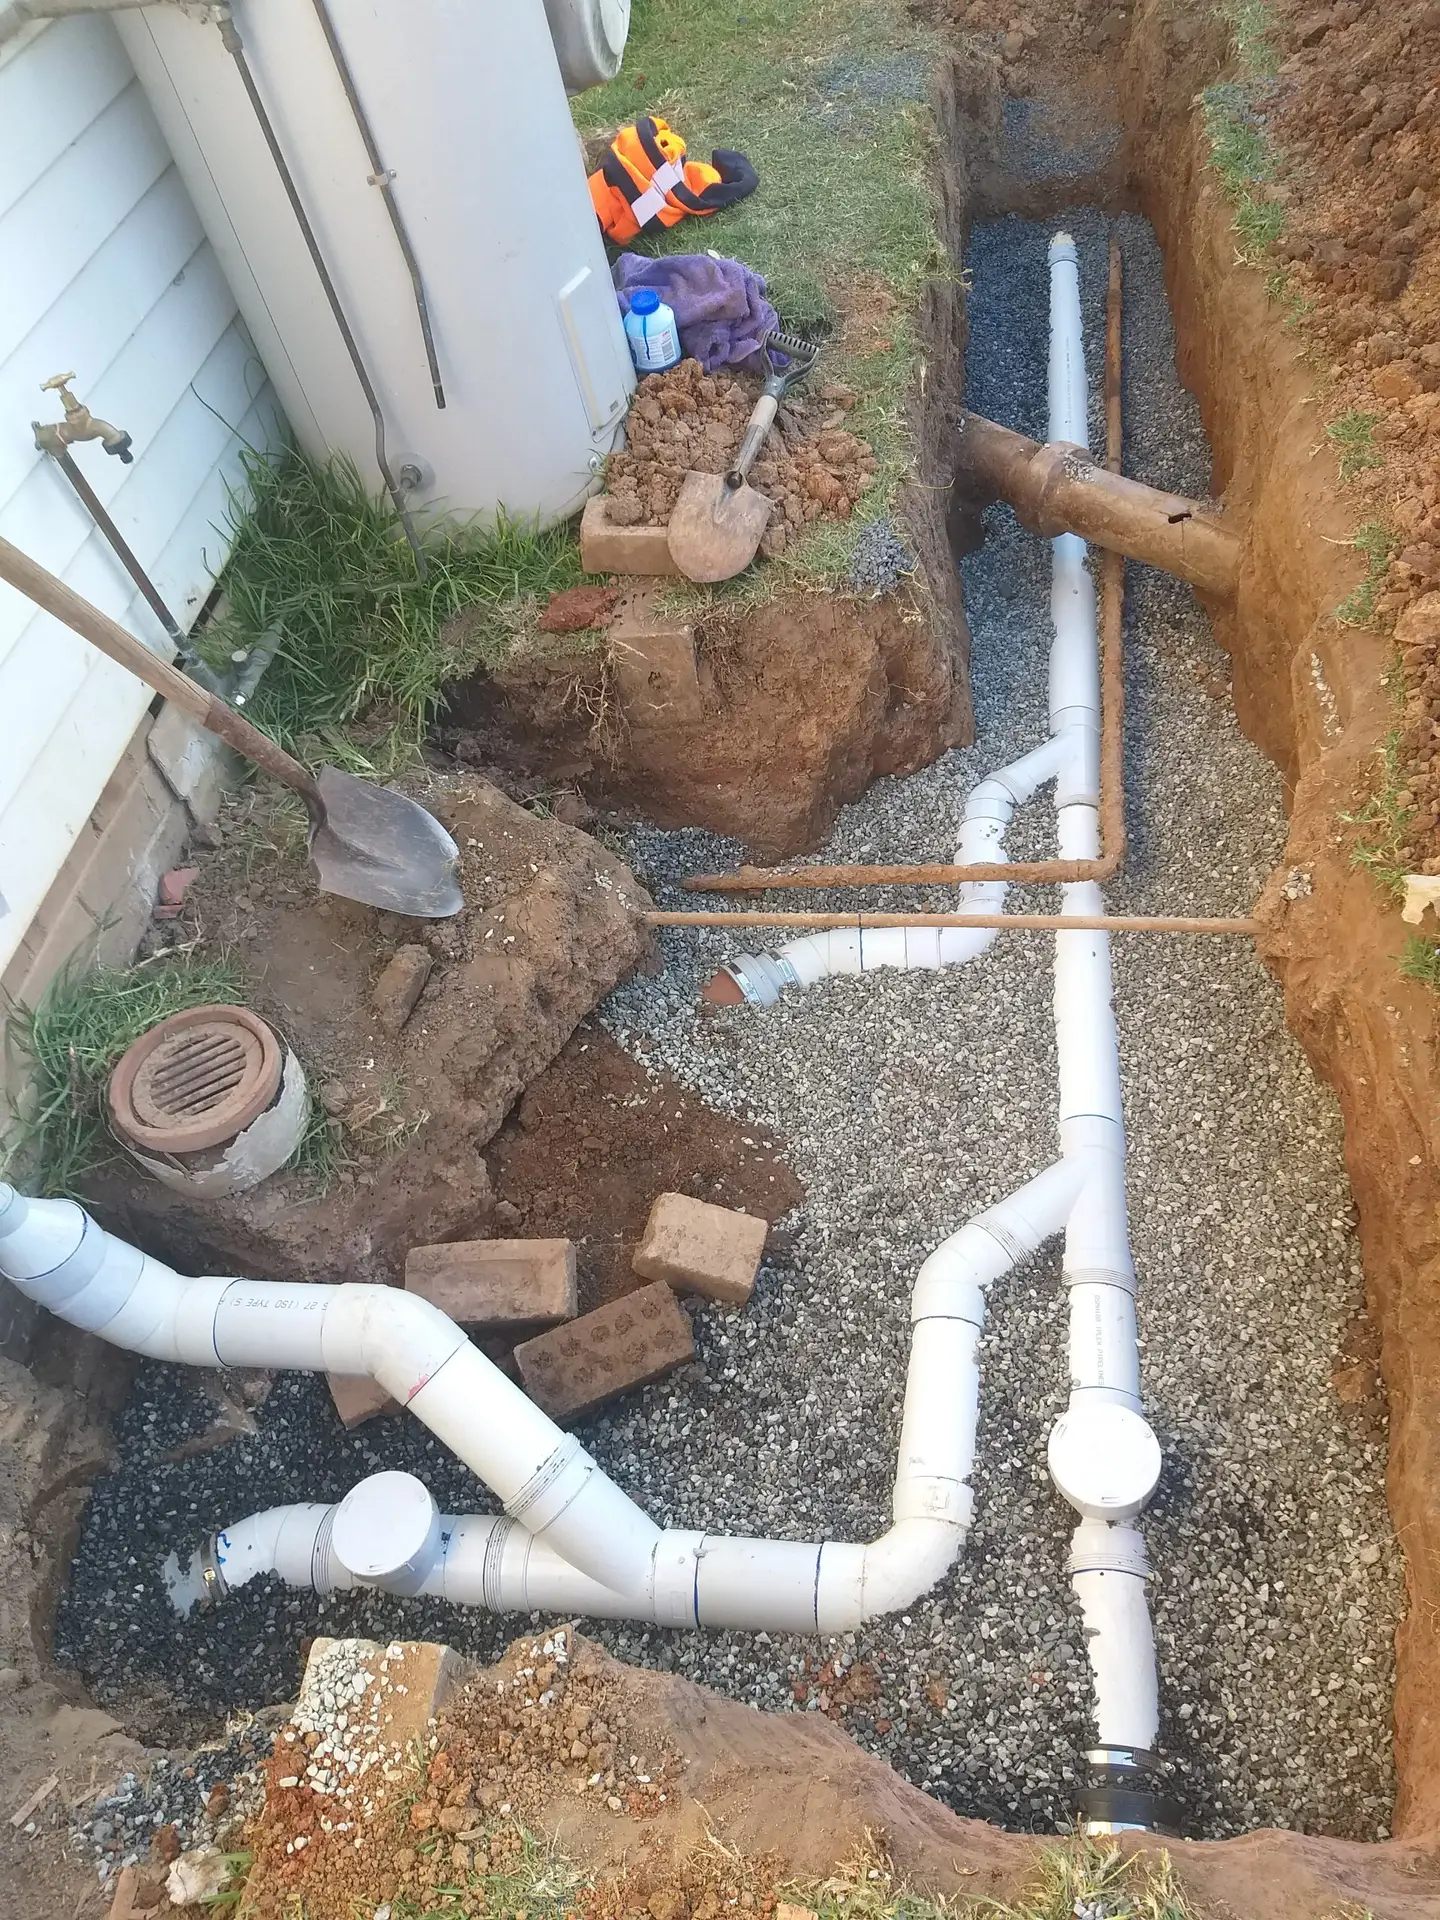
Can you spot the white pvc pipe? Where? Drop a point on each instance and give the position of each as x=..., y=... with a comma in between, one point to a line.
x=989, y=809
x=576, y=1538
x=1104, y=1458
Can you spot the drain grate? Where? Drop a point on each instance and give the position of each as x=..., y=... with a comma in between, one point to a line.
x=195, y=1080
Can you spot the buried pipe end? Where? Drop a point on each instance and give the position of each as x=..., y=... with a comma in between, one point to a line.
x=199, y=1583
x=722, y=989
x=1130, y=1809
x=1120, y=1796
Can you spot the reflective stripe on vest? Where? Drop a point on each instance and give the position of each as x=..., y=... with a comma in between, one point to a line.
x=652, y=200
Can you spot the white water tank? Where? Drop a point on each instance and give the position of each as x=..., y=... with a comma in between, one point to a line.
x=469, y=115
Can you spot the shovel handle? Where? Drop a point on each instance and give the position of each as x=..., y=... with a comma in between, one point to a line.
x=760, y=422
x=111, y=639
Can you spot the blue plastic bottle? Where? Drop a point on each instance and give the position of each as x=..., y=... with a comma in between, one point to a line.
x=651, y=330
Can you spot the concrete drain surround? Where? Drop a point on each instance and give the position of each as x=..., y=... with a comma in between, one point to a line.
x=911, y=1102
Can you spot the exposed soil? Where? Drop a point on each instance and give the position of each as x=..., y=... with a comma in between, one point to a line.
x=805, y=701
x=1314, y=693
x=684, y=1806
x=690, y=421
x=550, y=924
x=595, y=1138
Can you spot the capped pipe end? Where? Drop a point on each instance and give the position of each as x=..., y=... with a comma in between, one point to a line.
x=1105, y=1460
x=1062, y=247
x=386, y=1529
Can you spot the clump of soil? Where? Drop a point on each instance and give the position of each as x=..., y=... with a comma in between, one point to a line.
x=553, y=1716
x=550, y=924
x=593, y=1141
x=688, y=420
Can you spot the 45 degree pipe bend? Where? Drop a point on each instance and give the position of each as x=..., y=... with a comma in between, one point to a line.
x=569, y=1539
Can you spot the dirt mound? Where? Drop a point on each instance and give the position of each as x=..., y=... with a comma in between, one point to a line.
x=549, y=925
x=804, y=702
x=671, y=1803
x=689, y=420
x=593, y=1141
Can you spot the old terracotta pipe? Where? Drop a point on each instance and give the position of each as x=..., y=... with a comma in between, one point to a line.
x=1056, y=488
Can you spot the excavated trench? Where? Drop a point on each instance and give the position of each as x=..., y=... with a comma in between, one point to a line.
x=911, y=1100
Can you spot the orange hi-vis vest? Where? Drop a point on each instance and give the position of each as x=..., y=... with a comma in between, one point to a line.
x=645, y=177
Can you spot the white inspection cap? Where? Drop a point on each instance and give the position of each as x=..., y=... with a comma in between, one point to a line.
x=388, y=1525
x=1104, y=1460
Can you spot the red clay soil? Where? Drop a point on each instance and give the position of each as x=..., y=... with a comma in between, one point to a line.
x=595, y=1138
x=550, y=924
x=1314, y=693
x=680, y=1805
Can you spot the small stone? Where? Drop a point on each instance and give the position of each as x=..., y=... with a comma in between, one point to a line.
x=400, y=985
x=335, y=1096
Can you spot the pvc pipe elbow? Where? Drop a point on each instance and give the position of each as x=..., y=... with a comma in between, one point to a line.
x=859, y=1583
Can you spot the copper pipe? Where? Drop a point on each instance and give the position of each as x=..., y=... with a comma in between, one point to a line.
x=1112, y=721
x=1006, y=922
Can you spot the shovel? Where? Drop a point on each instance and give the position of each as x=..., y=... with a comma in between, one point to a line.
x=367, y=843
x=718, y=521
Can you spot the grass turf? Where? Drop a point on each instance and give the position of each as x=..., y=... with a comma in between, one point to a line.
x=830, y=102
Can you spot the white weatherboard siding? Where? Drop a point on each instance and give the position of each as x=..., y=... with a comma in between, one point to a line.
x=104, y=269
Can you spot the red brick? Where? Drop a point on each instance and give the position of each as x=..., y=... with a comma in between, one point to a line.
x=698, y=1248
x=654, y=660
x=576, y=1367
x=607, y=549
x=358, y=1399
x=497, y=1283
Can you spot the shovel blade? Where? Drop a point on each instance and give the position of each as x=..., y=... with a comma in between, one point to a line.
x=715, y=529
x=383, y=849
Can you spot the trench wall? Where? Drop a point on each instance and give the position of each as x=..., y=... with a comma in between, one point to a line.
x=1312, y=694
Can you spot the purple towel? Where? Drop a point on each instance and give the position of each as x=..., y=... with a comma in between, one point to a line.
x=719, y=305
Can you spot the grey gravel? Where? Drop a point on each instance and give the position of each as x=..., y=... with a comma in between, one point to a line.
x=118, y=1829
x=880, y=560
x=909, y=1102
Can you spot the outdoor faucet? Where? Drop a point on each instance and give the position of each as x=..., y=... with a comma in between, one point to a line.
x=54, y=436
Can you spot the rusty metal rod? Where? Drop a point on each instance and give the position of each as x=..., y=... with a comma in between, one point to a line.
x=1112, y=722
x=1006, y=922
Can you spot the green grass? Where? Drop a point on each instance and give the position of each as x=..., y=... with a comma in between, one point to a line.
x=1250, y=25
x=1352, y=434
x=363, y=654
x=70, y=1042
x=828, y=100
x=1377, y=542
x=1382, y=826
x=1241, y=150
x=1420, y=961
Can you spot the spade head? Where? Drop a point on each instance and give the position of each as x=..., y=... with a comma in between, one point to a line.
x=383, y=849
x=715, y=528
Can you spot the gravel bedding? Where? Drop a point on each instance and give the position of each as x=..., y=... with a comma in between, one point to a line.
x=909, y=1102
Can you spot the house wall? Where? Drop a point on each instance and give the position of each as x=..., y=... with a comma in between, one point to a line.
x=107, y=273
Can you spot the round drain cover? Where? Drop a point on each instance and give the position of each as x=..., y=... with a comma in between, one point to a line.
x=195, y=1080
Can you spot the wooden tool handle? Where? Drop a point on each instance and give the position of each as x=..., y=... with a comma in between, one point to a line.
x=112, y=640
x=761, y=420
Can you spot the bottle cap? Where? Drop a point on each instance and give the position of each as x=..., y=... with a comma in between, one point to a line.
x=644, y=300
